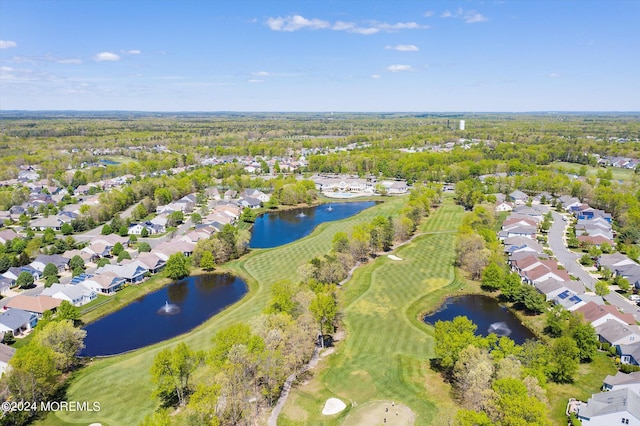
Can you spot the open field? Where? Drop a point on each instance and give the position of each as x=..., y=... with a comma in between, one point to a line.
x=122, y=383
x=385, y=355
x=617, y=172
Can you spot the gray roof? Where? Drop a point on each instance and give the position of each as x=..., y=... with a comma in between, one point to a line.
x=622, y=378
x=551, y=285
x=612, y=331
x=632, y=350
x=6, y=353
x=15, y=318
x=616, y=401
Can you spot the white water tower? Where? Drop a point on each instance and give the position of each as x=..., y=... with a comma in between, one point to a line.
x=461, y=124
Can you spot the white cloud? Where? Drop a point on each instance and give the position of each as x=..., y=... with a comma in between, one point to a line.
x=255, y=80
x=403, y=48
x=261, y=73
x=6, y=44
x=398, y=68
x=376, y=76
x=428, y=14
x=473, y=17
x=468, y=16
x=133, y=52
x=69, y=61
x=106, y=56
x=553, y=75
x=298, y=22
x=295, y=23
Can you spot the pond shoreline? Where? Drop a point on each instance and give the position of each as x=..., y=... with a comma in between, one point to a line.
x=518, y=314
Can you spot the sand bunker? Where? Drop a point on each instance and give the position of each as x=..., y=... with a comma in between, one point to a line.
x=393, y=257
x=333, y=406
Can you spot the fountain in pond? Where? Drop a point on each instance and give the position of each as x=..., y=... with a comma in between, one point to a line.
x=169, y=309
x=500, y=329
x=329, y=209
x=301, y=214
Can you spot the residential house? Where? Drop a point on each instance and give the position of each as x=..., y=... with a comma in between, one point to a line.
x=136, y=228
x=98, y=250
x=395, y=186
x=569, y=202
x=7, y=235
x=610, y=261
x=52, y=222
x=592, y=214
x=255, y=193
x=596, y=241
x=504, y=207
x=77, y=295
x=37, y=305
x=522, y=244
x=61, y=262
x=536, y=213
x=132, y=272
x=552, y=288
x=629, y=354
x=622, y=381
x=212, y=193
x=84, y=255
x=105, y=282
x=569, y=300
x=230, y=194
x=6, y=353
x=17, y=321
x=166, y=249
x=630, y=272
x=618, y=407
x=160, y=222
x=518, y=231
x=252, y=203
x=598, y=314
x=615, y=334
x=518, y=197
x=14, y=272
x=151, y=261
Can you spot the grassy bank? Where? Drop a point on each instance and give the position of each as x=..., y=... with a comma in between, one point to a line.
x=386, y=351
x=122, y=383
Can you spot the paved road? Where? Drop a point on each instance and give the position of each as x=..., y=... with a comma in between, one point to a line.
x=569, y=259
x=97, y=231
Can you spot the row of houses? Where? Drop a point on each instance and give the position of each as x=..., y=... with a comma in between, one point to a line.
x=355, y=184
x=593, y=226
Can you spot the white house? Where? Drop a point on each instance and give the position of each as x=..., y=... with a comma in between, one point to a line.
x=77, y=295
x=617, y=407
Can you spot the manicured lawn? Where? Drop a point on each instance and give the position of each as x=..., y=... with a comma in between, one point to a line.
x=122, y=383
x=386, y=352
x=617, y=172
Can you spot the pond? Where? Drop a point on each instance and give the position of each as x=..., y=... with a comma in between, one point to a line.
x=163, y=314
x=486, y=312
x=274, y=229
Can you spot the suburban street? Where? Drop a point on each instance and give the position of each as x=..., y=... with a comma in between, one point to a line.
x=569, y=260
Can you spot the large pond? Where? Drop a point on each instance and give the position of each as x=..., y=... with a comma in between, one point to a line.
x=163, y=314
x=274, y=229
x=486, y=313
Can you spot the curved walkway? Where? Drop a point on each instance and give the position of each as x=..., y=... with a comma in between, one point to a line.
x=286, y=388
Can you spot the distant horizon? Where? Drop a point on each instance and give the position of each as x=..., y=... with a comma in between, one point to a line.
x=319, y=55
x=88, y=111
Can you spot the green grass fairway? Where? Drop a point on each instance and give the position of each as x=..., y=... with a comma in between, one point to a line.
x=122, y=384
x=385, y=355
x=617, y=172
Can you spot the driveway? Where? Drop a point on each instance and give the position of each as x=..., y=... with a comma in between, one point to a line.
x=569, y=260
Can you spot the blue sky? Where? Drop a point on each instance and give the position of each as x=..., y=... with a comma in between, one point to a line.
x=263, y=55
